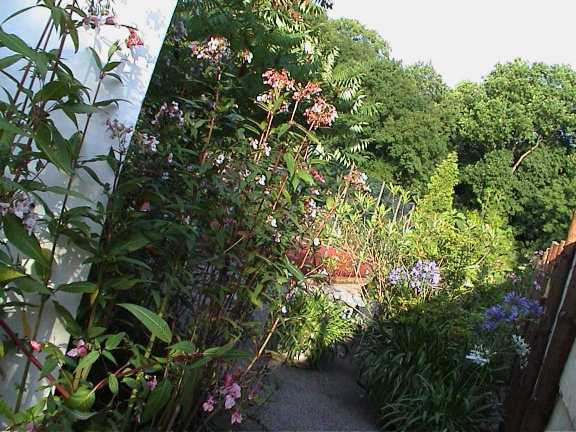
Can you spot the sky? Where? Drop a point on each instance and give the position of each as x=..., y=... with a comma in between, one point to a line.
x=464, y=39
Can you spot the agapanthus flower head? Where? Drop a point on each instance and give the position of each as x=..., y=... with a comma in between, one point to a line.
x=279, y=80
x=321, y=114
x=511, y=310
x=397, y=276
x=522, y=349
x=479, y=355
x=215, y=50
x=424, y=276
x=306, y=92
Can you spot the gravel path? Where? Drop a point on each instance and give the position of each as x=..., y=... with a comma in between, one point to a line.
x=311, y=400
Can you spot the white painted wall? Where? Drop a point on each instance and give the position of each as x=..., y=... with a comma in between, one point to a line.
x=564, y=416
x=152, y=18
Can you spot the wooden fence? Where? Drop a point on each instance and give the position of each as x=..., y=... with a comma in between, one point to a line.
x=534, y=390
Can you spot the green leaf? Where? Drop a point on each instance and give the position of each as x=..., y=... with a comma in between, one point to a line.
x=96, y=58
x=7, y=274
x=294, y=270
x=54, y=147
x=114, y=340
x=67, y=319
x=6, y=62
x=78, y=287
x=89, y=359
x=113, y=384
x=154, y=323
x=29, y=285
x=14, y=43
x=109, y=356
x=183, y=347
x=6, y=412
x=122, y=283
x=290, y=163
x=158, y=399
x=25, y=243
x=48, y=366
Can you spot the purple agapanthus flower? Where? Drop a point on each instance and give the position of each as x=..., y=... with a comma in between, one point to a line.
x=397, y=276
x=513, y=308
x=424, y=275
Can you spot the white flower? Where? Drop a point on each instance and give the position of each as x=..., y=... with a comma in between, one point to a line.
x=220, y=159
x=267, y=149
x=316, y=242
x=262, y=180
x=254, y=144
x=522, y=349
x=479, y=355
x=272, y=221
x=278, y=237
x=284, y=310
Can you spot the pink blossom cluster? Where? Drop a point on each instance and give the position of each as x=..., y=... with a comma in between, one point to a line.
x=148, y=143
x=321, y=114
x=231, y=391
x=215, y=50
x=117, y=129
x=172, y=111
x=134, y=40
x=358, y=179
x=23, y=207
x=306, y=92
x=278, y=79
x=96, y=21
x=311, y=208
x=80, y=349
x=317, y=176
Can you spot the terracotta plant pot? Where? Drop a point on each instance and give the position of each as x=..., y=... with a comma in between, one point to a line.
x=342, y=266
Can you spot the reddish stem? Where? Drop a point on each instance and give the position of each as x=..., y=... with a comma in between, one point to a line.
x=65, y=394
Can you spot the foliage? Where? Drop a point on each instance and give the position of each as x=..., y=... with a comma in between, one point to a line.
x=514, y=131
x=314, y=324
x=217, y=185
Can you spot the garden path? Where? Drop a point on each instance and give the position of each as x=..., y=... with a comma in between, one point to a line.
x=314, y=400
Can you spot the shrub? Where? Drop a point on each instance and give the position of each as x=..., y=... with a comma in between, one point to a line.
x=314, y=324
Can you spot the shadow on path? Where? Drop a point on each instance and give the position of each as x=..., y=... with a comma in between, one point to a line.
x=312, y=400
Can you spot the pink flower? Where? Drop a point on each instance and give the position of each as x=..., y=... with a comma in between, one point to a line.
x=236, y=417
x=36, y=346
x=320, y=114
x=112, y=20
x=214, y=50
x=278, y=79
x=145, y=207
x=152, y=382
x=208, y=406
x=311, y=89
x=228, y=379
x=80, y=351
x=134, y=40
x=234, y=390
x=30, y=427
x=229, y=401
